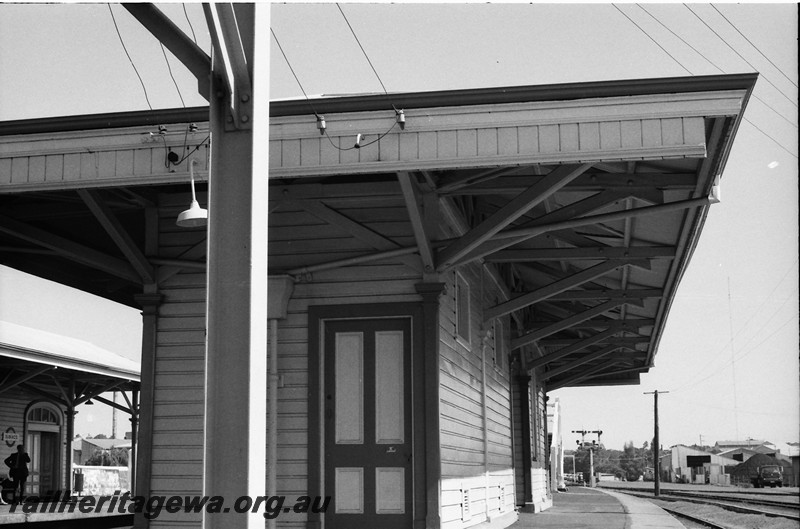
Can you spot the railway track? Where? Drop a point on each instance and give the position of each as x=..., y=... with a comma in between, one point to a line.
x=791, y=512
x=693, y=518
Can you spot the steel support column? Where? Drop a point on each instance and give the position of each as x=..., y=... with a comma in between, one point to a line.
x=236, y=346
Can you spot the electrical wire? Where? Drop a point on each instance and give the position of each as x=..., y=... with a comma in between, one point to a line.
x=129, y=56
x=651, y=38
x=739, y=54
x=308, y=100
x=289, y=64
x=194, y=37
x=714, y=65
x=684, y=67
x=680, y=38
x=753, y=45
x=169, y=68
x=770, y=137
x=362, y=48
x=742, y=328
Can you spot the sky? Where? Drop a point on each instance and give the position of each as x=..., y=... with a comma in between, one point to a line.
x=729, y=353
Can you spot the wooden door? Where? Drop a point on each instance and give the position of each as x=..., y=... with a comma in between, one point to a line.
x=367, y=391
x=48, y=464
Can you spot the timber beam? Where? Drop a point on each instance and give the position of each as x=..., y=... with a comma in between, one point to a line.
x=571, y=211
x=559, y=286
x=518, y=206
x=582, y=375
x=584, y=359
x=8, y=384
x=118, y=234
x=598, y=252
x=569, y=349
x=70, y=250
x=357, y=230
x=566, y=323
x=589, y=181
x=575, y=295
x=631, y=324
x=417, y=219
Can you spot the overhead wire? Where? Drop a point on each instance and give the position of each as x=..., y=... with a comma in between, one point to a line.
x=742, y=327
x=680, y=38
x=362, y=48
x=169, y=68
x=753, y=45
x=186, y=14
x=651, y=38
x=113, y=18
x=779, y=114
x=289, y=64
x=739, y=54
x=314, y=110
x=690, y=73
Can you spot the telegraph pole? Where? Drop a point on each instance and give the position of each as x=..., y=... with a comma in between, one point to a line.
x=656, y=443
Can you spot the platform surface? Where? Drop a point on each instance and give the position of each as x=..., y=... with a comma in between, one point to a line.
x=585, y=508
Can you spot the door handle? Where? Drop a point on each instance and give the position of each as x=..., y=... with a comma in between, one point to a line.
x=391, y=450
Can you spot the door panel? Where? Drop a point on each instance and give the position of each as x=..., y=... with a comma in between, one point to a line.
x=367, y=385
x=49, y=463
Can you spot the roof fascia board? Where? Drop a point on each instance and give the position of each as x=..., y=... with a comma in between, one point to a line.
x=529, y=113
x=514, y=94
x=39, y=357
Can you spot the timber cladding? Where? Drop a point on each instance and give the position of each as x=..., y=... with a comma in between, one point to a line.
x=179, y=394
x=475, y=408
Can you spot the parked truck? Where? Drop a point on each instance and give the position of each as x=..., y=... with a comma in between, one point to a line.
x=771, y=475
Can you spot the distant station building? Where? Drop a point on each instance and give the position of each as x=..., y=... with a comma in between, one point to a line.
x=43, y=378
x=684, y=464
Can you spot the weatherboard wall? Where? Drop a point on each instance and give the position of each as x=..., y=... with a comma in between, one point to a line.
x=477, y=472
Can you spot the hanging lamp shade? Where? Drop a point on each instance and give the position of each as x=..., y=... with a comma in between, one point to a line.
x=195, y=216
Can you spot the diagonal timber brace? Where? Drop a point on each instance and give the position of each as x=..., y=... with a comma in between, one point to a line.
x=517, y=207
x=569, y=322
x=557, y=287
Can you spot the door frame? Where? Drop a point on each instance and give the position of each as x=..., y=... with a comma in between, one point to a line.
x=30, y=427
x=318, y=315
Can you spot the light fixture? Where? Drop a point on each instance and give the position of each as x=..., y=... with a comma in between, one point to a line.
x=358, y=141
x=89, y=402
x=321, y=124
x=195, y=216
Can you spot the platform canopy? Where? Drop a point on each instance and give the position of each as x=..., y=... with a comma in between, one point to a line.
x=64, y=369
x=584, y=200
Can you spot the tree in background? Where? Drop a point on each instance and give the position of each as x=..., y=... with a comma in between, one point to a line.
x=632, y=462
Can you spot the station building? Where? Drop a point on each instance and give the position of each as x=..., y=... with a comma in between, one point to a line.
x=427, y=289
x=43, y=378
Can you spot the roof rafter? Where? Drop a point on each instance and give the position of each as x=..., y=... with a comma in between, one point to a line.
x=523, y=202
x=584, y=359
x=581, y=375
x=417, y=220
x=69, y=249
x=566, y=323
x=561, y=285
x=118, y=234
x=357, y=230
x=597, y=252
